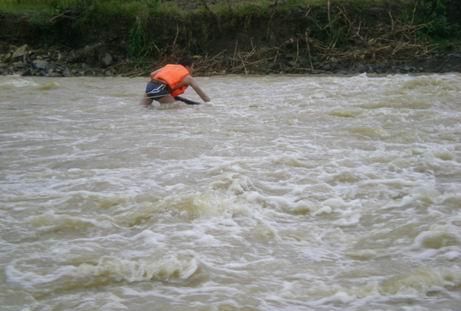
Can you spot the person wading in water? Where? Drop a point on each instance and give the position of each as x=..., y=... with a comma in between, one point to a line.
x=171, y=81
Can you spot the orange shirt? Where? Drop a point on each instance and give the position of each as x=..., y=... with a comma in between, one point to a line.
x=173, y=76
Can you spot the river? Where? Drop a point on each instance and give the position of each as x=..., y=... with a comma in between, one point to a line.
x=283, y=193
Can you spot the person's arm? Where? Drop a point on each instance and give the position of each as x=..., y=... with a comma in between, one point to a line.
x=191, y=81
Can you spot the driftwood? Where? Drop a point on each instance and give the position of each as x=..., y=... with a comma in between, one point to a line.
x=351, y=40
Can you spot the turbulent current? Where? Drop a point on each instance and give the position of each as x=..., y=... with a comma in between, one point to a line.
x=284, y=193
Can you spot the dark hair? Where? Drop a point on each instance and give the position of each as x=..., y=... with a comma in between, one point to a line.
x=186, y=61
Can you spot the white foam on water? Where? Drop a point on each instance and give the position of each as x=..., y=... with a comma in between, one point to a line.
x=332, y=193
x=106, y=270
x=17, y=82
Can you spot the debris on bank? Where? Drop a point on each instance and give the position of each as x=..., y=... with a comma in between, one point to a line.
x=98, y=60
x=92, y=60
x=238, y=37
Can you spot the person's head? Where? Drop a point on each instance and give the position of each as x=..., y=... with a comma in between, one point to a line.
x=187, y=62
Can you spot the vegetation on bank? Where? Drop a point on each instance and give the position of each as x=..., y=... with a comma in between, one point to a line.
x=243, y=36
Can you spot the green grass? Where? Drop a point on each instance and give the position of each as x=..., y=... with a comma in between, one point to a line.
x=29, y=8
x=136, y=6
x=125, y=7
x=192, y=25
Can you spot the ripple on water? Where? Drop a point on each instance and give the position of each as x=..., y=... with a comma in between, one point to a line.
x=53, y=275
x=305, y=193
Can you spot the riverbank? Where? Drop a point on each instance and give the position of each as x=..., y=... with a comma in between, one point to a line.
x=89, y=61
x=343, y=37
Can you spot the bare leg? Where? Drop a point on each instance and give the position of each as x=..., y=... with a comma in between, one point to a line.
x=166, y=99
x=146, y=101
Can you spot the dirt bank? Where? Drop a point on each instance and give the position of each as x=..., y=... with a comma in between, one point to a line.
x=92, y=61
x=339, y=39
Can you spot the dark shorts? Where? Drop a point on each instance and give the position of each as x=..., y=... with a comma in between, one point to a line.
x=155, y=90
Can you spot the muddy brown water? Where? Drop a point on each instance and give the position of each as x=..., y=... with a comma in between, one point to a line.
x=283, y=193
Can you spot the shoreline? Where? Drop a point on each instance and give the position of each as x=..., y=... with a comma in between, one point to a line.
x=284, y=38
x=27, y=61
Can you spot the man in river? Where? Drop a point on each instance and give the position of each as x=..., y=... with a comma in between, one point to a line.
x=170, y=81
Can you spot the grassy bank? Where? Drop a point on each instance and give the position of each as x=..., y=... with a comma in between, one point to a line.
x=260, y=36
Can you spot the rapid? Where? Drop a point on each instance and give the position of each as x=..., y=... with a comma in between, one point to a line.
x=284, y=193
